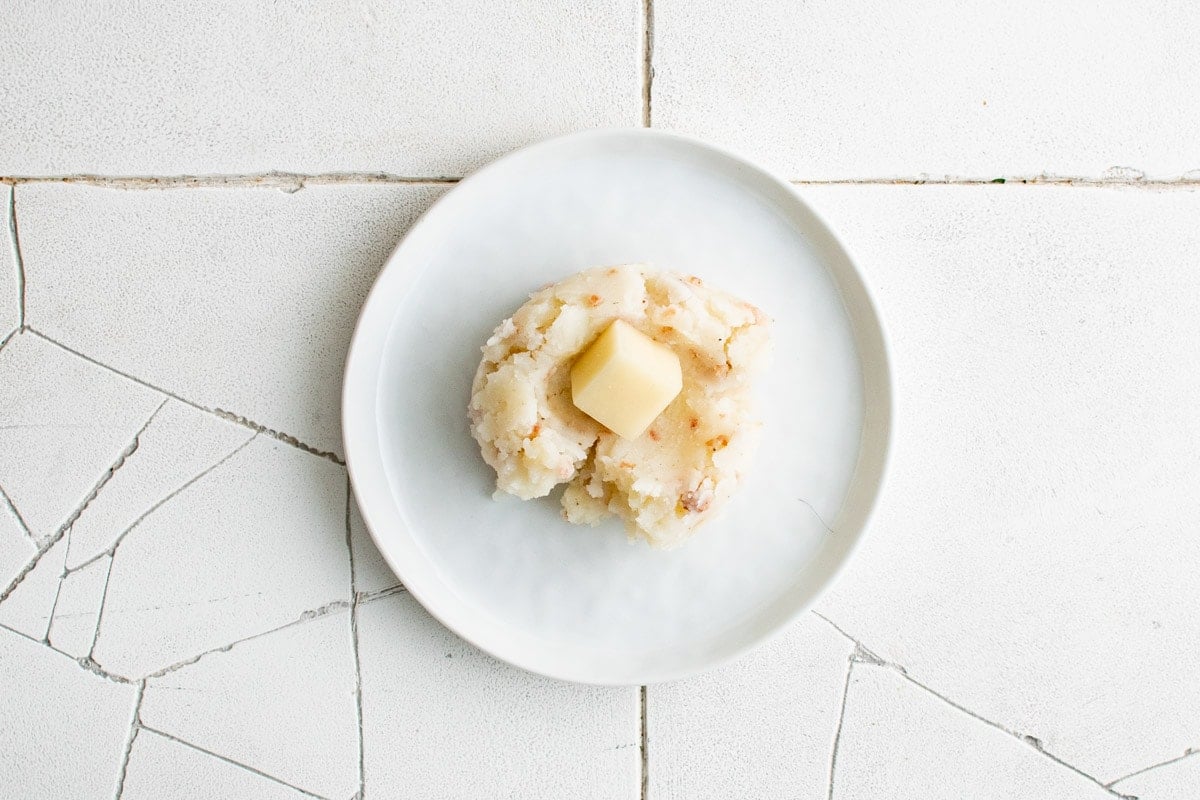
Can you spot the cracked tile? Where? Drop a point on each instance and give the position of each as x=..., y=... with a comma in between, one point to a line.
x=405, y=87
x=1034, y=555
x=247, y=548
x=159, y=767
x=441, y=719
x=879, y=90
x=1179, y=780
x=778, y=741
x=64, y=729
x=29, y=606
x=63, y=423
x=283, y=703
x=371, y=572
x=15, y=547
x=897, y=740
x=77, y=611
x=10, y=287
x=178, y=444
x=254, y=315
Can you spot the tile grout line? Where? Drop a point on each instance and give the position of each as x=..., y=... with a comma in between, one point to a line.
x=1021, y=180
x=286, y=438
x=62, y=575
x=54, y=538
x=354, y=599
x=111, y=550
x=100, y=611
x=293, y=182
x=306, y=616
x=228, y=416
x=15, y=244
x=91, y=666
x=13, y=508
x=645, y=744
x=84, y=663
x=1032, y=741
x=863, y=655
x=22, y=634
x=287, y=181
x=837, y=734
x=379, y=594
x=647, y=61
x=134, y=727
x=1191, y=751
x=227, y=760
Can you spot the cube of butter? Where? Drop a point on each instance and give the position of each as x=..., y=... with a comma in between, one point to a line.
x=625, y=380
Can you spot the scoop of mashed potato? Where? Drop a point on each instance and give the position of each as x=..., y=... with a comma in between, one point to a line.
x=686, y=465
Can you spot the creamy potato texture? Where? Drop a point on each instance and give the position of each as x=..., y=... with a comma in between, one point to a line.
x=679, y=472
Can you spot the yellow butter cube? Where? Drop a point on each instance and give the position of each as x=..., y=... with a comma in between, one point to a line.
x=625, y=380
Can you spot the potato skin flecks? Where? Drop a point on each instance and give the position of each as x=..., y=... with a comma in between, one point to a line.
x=670, y=479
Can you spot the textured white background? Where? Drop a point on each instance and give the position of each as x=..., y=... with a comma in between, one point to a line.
x=190, y=605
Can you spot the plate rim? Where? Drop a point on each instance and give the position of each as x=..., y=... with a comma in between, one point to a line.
x=359, y=395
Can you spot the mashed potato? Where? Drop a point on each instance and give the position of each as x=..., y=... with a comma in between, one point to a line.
x=683, y=468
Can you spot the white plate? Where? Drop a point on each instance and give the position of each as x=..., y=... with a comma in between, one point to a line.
x=585, y=604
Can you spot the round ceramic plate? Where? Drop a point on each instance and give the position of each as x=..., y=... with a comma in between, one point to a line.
x=586, y=604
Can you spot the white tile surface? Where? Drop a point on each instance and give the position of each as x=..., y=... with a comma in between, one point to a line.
x=1177, y=781
x=412, y=88
x=898, y=740
x=249, y=547
x=10, y=286
x=240, y=300
x=760, y=727
x=29, y=607
x=1034, y=556
x=161, y=768
x=871, y=89
x=63, y=423
x=441, y=719
x=73, y=629
x=64, y=729
x=996, y=586
x=283, y=703
x=179, y=444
